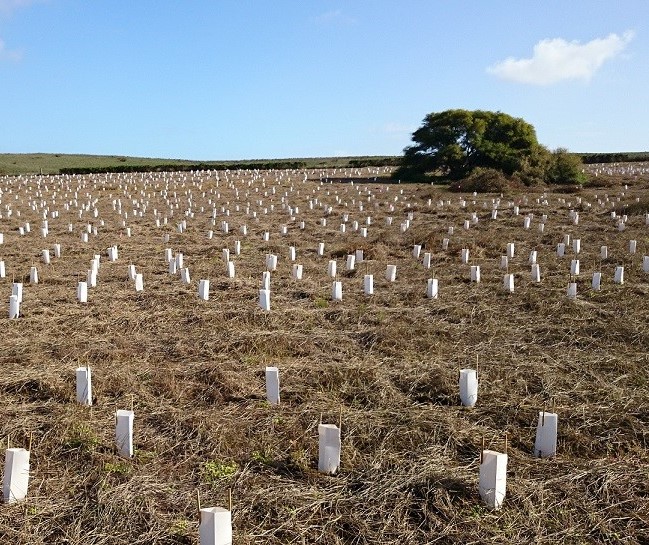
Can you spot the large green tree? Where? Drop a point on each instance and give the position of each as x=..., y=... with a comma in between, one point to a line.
x=454, y=142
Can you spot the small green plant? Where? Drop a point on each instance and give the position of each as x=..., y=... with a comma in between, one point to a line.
x=180, y=527
x=321, y=303
x=263, y=457
x=214, y=471
x=81, y=437
x=145, y=456
x=117, y=468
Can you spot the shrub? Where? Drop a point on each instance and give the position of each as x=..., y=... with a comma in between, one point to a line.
x=483, y=180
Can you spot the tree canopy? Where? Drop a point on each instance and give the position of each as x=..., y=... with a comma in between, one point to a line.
x=455, y=142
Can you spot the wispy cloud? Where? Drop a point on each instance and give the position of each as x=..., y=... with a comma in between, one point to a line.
x=9, y=54
x=556, y=60
x=335, y=16
x=394, y=130
x=7, y=7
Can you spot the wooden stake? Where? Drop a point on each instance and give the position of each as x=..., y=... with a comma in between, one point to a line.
x=230, y=499
x=198, y=504
x=506, y=441
x=482, y=450
x=543, y=415
x=31, y=438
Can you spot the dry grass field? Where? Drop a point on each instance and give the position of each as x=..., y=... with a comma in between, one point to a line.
x=385, y=366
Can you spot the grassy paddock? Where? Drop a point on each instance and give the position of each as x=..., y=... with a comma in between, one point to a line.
x=386, y=366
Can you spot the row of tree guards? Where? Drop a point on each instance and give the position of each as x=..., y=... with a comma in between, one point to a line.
x=176, y=265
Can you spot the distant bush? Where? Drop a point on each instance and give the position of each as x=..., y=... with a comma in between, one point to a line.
x=565, y=168
x=483, y=180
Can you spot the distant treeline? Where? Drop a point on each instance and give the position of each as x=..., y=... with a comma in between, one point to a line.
x=625, y=157
x=247, y=165
x=183, y=167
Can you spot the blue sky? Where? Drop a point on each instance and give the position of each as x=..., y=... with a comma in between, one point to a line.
x=243, y=79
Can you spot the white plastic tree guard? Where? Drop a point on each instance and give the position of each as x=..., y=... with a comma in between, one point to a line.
x=391, y=273
x=180, y=261
x=475, y=273
x=292, y=253
x=536, y=272
x=173, y=267
x=427, y=260
x=468, y=387
x=574, y=267
x=33, y=275
x=329, y=448
x=91, y=278
x=16, y=475
x=432, y=288
x=337, y=291
x=597, y=281
x=215, y=527
x=272, y=385
x=493, y=478
x=464, y=256
x=576, y=245
x=508, y=283
x=545, y=445
x=368, y=284
x=82, y=292
x=359, y=256
x=225, y=254
x=350, y=265
x=84, y=386
x=619, y=275
x=131, y=272
x=321, y=247
x=271, y=262
x=265, y=280
x=184, y=275
x=331, y=268
x=45, y=255
x=139, y=282
x=603, y=252
x=571, y=292
x=204, y=289
x=510, y=250
x=264, y=299
x=124, y=433
x=645, y=263
x=229, y=269
x=504, y=262
x=416, y=250
x=297, y=271
x=14, y=307
x=533, y=256
x=3, y=271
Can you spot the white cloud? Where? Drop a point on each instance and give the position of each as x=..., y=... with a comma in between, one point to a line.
x=9, y=6
x=556, y=59
x=7, y=54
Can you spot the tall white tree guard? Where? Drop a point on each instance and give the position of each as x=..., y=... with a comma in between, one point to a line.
x=329, y=448
x=124, y=433
x=545, y=445
x=216, y=526
x=84, y=386
x=272, y=385
x=493, y=478
x=16, y=475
